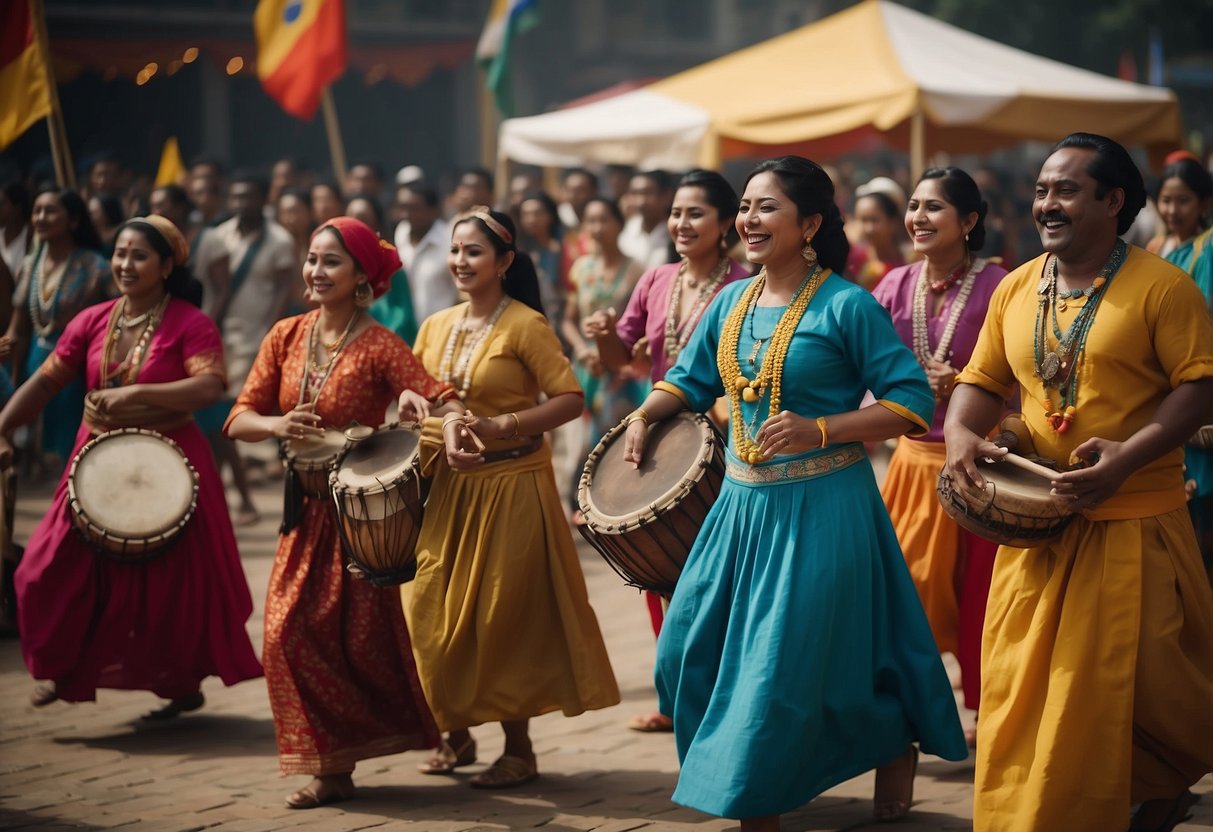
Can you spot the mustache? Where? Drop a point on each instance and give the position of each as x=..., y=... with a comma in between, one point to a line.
x=1052, y=216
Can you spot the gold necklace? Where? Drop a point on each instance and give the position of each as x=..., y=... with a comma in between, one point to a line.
x=769, y=378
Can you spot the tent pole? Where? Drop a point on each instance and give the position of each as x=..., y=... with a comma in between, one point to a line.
x=918, y=144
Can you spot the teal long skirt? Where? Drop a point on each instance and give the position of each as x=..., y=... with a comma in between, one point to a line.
x=795, y=653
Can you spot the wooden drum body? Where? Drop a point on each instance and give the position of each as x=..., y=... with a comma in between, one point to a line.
x=1014, y=509
x=131, y=493
x=1203, y=438
x=312, y=459
x=644, y=521
x=380, y=496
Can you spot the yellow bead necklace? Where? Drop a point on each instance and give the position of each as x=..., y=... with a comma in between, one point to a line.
x=769, y=378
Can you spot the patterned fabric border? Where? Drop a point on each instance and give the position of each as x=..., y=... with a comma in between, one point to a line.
x=796, y=469
x=54, y=368
x=207, y=363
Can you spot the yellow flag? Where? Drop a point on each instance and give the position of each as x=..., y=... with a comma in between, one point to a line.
x=172, y=169
x=24, y=91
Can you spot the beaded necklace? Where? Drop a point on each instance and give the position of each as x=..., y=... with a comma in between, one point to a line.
x=44, y=294
x=315, y=374
x=942, y=352
x=458, y=373
x=127, y=371
x=1057, y=368
x=769, y=378
x=674, y=341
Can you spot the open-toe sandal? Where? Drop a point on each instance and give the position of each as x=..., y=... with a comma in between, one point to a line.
x=312, y=796
x=887, y=809
x=506, y=773
x=446, y=759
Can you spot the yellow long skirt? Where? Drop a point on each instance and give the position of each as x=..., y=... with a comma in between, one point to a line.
x=1097, y=677
x=929, y=539
x=501, y=622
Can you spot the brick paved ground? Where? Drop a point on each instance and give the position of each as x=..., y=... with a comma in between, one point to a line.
x=97, y=767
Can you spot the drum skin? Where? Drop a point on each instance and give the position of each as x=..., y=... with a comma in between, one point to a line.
x=644, y=521
x=1014, y=509
x=131, y=493
x=312, y=459
x=379, y=493
x=1203, y=438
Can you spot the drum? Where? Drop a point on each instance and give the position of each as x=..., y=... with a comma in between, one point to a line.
x=643, y=521
x=131, y=493
x=379, y=493
x=312, y=458
x=1014, y=509
x=1203, y=438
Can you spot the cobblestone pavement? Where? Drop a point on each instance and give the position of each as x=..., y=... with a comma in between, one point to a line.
x=96, y=766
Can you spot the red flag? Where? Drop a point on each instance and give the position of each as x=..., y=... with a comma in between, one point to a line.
x=300, y=50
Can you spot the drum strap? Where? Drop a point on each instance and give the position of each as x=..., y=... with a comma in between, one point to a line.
x=514, y=453
x=292, y=501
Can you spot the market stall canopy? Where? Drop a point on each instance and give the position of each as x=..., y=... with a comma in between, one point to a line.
x=876, y=68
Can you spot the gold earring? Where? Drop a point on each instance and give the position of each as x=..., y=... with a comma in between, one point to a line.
x=808, y=253
x=364, y=294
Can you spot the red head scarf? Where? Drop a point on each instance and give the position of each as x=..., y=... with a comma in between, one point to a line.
x=377, y=258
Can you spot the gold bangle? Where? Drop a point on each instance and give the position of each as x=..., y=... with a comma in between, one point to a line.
x=637, y=415
x=517, y=426
x=821, y=426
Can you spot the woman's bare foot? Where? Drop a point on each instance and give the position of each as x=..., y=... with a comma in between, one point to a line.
x=324, y=790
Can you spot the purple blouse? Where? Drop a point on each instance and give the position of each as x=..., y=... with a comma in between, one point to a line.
x=648, y=306
x=896, y=294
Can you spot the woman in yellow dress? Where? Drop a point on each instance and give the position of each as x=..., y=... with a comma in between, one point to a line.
x=502, y=624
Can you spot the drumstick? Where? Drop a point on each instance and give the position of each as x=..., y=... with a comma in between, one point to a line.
x=1030, y=466
x=477, y=443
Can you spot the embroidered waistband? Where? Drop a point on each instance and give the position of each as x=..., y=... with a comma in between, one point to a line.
x=796, y=469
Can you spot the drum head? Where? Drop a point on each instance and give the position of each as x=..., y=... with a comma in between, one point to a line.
x=673, y=454
x=317, y=449
x=378, y=460
x=1015, y=482
x=133, y=485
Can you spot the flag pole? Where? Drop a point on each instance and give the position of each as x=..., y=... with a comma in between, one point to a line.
x=488, y=136
x=65, y=173
x=331, y=126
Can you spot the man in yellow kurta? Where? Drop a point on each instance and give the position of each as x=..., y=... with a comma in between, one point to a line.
x=1097, y=664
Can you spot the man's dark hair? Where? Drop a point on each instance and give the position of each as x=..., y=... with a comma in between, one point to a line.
x=1112, y=167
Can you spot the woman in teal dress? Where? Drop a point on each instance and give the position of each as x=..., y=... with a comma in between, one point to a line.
x=795, y=653
x=61, y=276
x=1185, y=198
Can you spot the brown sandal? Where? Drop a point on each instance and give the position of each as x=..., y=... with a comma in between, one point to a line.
x=447, y=759
x=506, y=772
x=327, y=793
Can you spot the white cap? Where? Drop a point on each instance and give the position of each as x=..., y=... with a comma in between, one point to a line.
x=409, y=174
x=883, y=185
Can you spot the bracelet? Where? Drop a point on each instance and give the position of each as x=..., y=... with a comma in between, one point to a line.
x=637, y=415
x=517, y=427
x=821, y=426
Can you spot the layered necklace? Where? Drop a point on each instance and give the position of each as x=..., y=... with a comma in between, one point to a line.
x=1057, y=368
x=676, y=336
x=457, y=371
x=922, y=349
x=127, y=371
x=767, y=374
x=44, y=293
x=316, y=374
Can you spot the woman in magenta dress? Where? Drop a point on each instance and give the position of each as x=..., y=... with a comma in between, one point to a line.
x=164, y=624
x=938, y=306
x=666, y=306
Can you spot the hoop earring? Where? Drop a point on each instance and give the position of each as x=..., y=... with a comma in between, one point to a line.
x=809, y=253
x=364, y=295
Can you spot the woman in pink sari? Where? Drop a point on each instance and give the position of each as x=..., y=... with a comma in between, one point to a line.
x=163, y=624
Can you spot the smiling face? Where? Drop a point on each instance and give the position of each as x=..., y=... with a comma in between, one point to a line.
x=50, y=219
x=1071, y=219
x=139, y=270
x=934, y=224
x=474, y=263
x=769, y=223
x=330, y=273
x=1180, y=208
x=695, y=225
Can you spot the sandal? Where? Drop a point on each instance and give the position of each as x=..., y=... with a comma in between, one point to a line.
x=44, y=694
x=447, y=759
x=322, y=791
x=1177, y=813
x=889, y=809
x=654, y=723
x=506, y=773
x=176, y=707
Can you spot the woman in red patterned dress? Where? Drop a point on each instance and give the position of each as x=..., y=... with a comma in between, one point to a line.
x=338, y=660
